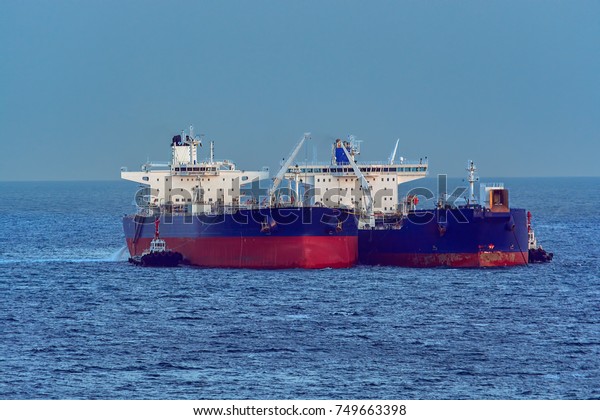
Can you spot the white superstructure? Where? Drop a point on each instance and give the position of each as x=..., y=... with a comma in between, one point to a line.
x=336, y=184
x=190, y=184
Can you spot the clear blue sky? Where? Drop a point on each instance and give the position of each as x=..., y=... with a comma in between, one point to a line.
x=89, y=86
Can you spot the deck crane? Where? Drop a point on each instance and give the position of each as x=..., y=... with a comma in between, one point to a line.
x=393, y=155
x=279, y=177
x=370, y=217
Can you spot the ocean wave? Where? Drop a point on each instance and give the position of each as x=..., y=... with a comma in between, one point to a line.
x=72, y=256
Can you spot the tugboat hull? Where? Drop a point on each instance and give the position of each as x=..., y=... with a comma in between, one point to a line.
x=158, y=259
x=539, y=255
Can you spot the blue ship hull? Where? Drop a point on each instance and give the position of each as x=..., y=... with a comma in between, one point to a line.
x=460, y=237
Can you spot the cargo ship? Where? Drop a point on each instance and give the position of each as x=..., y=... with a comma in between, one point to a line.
x=482, y=231
x=209, y=216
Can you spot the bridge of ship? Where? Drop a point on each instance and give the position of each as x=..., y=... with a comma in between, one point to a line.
x=367, y=169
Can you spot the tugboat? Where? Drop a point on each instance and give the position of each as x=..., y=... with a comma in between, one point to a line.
x=157, y=255
x=536, y=253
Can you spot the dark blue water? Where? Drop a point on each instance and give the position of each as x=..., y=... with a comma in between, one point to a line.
x=78, y=322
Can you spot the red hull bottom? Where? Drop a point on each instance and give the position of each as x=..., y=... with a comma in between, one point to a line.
x=463, y=260
x=262, y=252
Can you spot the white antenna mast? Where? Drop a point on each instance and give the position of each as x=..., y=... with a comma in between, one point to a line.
x=471, y=169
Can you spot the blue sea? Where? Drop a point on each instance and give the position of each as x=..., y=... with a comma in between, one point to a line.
x=78, y=322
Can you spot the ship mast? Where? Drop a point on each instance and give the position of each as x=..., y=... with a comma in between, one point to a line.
x=471, y=169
